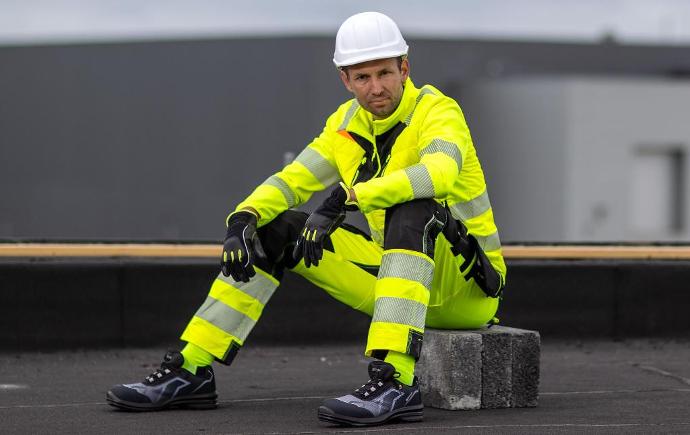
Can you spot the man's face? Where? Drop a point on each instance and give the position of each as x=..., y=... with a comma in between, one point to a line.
x=377, y=84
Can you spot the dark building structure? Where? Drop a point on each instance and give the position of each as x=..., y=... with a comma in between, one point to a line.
x=158, y=140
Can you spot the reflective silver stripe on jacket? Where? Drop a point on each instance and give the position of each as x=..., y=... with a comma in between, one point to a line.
x=277, y=182
x=348, y=115
x=472, y=208
x=422, y=185
x=489, y=243
x=441, y=146
x=399, y=310
x=259, y=287
x=422, y=93
x=406, y=266
x=226, y=318
x=319, y=167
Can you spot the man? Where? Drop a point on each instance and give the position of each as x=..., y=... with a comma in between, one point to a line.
x=401, y=155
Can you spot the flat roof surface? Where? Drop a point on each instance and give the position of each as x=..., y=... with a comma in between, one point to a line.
x=640, y=386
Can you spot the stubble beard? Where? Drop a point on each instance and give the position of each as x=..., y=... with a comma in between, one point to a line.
x=386, y=111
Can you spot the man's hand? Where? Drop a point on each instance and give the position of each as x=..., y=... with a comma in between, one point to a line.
x=241, y=244
x=321, y=223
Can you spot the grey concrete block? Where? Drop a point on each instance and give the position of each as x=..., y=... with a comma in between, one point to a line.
x=449, y=369
x=496, y=367
x=526, y=352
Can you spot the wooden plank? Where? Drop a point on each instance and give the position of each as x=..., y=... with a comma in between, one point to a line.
x=584, y=252
x=108, y=250
x=576, y=252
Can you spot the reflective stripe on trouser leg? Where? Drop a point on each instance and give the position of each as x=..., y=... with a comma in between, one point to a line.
x=222, y=323
x=401, y=298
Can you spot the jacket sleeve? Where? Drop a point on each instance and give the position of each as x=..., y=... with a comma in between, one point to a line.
x=442, y=143
x=314, y=169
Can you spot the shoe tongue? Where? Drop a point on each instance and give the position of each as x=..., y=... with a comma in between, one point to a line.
x=381, y=370
x=173, y=359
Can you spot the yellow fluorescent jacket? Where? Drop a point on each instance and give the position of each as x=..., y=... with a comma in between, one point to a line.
x=431, y=157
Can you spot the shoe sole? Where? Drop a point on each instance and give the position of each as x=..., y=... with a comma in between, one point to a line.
x=201, y=401
x=407, y=414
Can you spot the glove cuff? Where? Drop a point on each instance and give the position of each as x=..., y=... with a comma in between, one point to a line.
x=350, y=203
x=334, y=204
x=243, y=217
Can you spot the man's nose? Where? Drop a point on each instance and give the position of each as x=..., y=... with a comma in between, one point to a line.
x=376, y=86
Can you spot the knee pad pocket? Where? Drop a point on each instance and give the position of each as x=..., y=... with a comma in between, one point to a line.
x=278, y=237
x=414, y=225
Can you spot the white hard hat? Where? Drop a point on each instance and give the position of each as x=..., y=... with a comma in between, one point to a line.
x=367, y=36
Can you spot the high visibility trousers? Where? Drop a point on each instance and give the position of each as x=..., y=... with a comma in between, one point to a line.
x=412, y=282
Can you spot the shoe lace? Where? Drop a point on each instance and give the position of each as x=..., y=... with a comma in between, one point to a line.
x=158, y=374
x=372, y=385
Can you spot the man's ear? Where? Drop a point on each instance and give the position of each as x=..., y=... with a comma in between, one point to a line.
x=405, y=69
x=346, y=80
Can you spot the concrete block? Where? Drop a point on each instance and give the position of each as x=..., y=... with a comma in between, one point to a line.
x=525, y=372
x=495, y=367
x=450, y=369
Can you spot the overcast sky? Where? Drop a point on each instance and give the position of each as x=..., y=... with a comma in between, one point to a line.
x=59, y=21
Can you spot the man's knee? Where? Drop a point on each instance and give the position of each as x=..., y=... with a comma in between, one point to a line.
x=414, y=225
x=278, y=237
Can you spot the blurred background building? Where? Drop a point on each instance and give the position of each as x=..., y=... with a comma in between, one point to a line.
x=126, y=120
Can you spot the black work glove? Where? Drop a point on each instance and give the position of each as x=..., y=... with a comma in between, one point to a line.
x=241, y=245
x=322, y=222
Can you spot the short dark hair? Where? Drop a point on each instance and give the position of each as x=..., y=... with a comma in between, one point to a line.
x=399, y=59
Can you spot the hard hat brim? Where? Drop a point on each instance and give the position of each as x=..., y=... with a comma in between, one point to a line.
x=369, y=57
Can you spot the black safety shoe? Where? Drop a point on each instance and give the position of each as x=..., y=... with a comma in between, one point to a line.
x=169, y=386
x=381, y=399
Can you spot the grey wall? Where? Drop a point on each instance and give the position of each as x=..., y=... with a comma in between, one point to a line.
x=569, y=148
x=150, y=141
x=518, y=128
x=612, y=120
x=159, y=140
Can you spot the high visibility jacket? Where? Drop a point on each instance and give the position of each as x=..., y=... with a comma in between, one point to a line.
x=422, y=150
